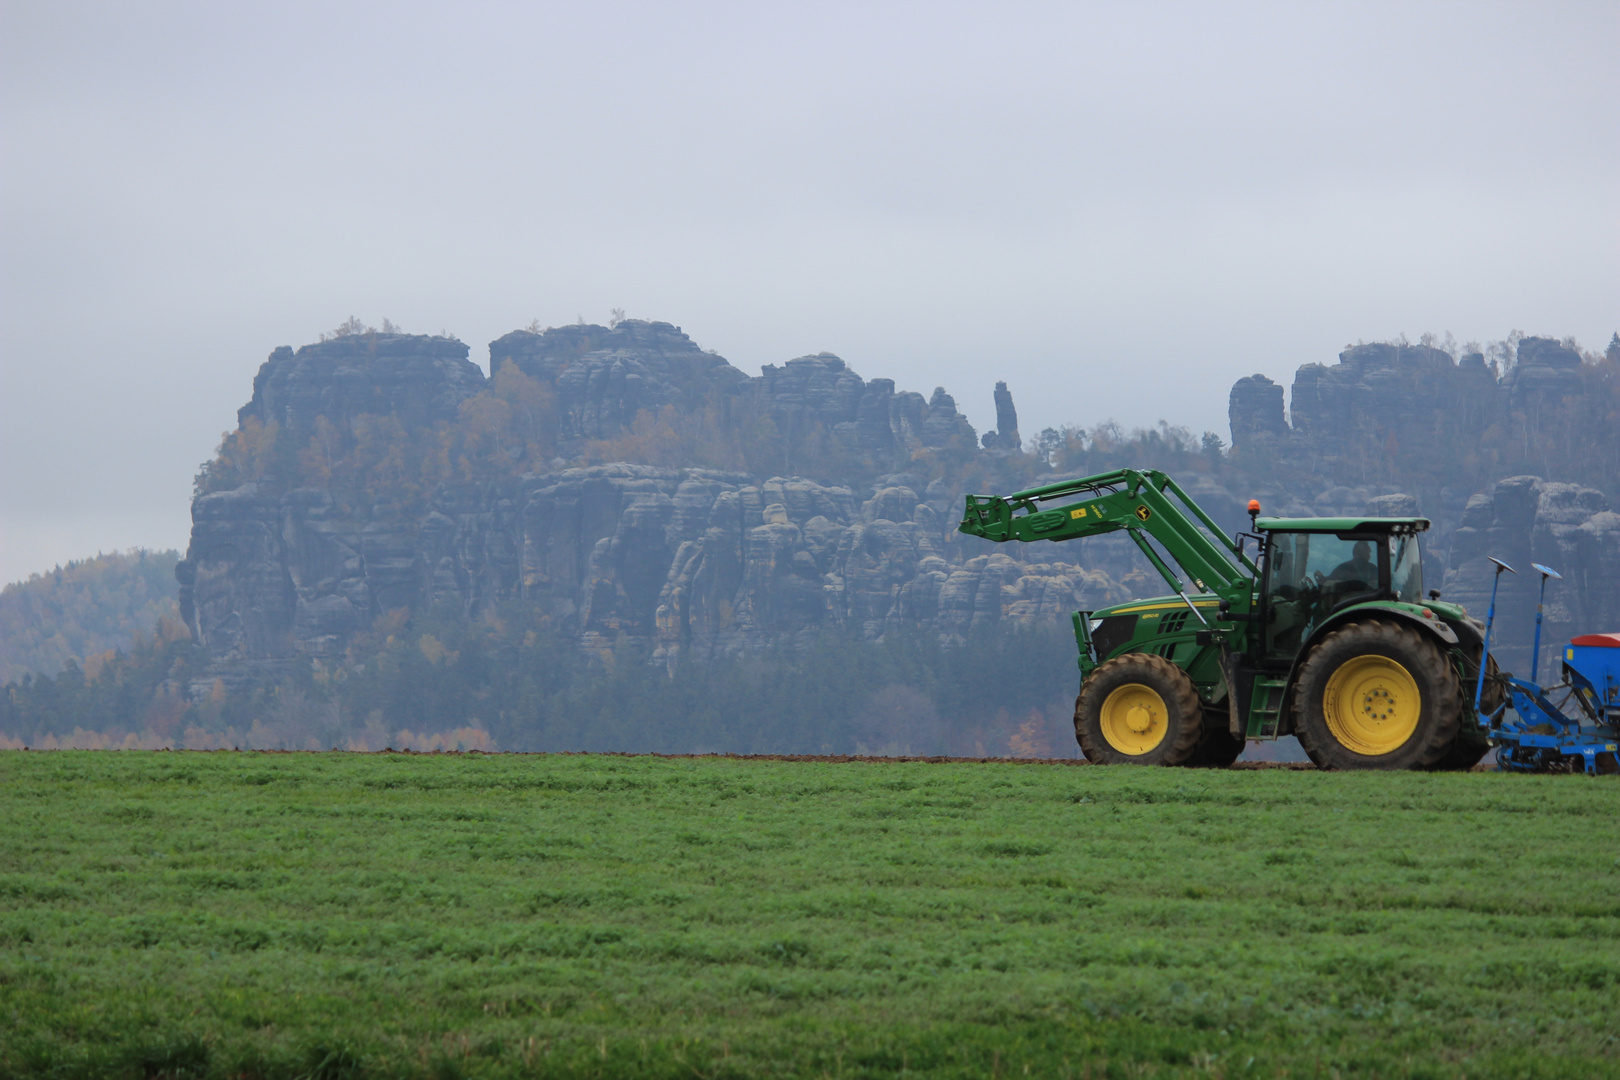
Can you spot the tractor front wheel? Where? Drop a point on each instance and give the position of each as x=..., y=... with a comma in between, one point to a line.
x=1138, y=709
x=1376, y=695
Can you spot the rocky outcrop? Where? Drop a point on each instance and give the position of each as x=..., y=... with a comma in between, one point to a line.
x=1387, y=409
x=1381, y=388
x=416, y=378
x=690, y=562
x=1005, y=438
x=1255, y=409
x=821, y=393
x=849, y=524
x=1545, y=369
x=1525, y=520
x=604, y=377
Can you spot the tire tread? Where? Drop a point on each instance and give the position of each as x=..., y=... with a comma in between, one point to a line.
x=1433, y=668
x=1150, y=670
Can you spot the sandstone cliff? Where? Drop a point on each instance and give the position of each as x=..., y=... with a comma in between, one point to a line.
x=604, y=378
x=378, y=474
x=416, y=378
x=1417, y=416
x=689, y=561
x=1524, y=520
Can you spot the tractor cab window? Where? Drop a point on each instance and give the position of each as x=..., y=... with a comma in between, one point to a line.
x=1406, y=568
x=1309, y=575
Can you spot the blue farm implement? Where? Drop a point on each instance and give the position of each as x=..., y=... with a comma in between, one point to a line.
x=1582, y=730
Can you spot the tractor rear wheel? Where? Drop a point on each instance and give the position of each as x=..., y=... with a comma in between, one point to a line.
x=1376, y=695
x=1471, y=743
x=1138, y=709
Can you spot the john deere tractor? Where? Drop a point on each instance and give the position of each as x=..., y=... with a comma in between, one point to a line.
x=1323, y=632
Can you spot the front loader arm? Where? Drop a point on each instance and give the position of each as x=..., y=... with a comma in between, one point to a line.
x=1138, y=502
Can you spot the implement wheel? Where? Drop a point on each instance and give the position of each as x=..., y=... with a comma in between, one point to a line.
x=1138, y=709
x=1375, y=695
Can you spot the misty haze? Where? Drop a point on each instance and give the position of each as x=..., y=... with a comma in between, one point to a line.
x=630, y=539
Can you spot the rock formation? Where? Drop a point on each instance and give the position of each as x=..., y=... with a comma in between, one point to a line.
x=1255, y=409
x=691, y=562
x=1005, y=438
x=416, y=378
x=1545, y=368
x=1524, y=520
x=1415, y=414
x=839, y=511
x=604, y=377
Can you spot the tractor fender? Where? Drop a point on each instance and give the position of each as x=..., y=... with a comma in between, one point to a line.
x=1445, y=634
x=1439, y=630
x=1469, y=630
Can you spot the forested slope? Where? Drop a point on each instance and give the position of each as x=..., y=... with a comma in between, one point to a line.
x=83, y=609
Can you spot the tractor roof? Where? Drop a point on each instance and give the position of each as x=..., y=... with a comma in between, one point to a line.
x=1343, y=524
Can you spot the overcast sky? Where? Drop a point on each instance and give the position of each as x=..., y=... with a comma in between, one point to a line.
x=1119, y=209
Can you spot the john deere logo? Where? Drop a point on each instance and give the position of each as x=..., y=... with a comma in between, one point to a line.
x=1143, y=512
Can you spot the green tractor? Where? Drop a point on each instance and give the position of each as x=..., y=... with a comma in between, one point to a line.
x=1323, y=633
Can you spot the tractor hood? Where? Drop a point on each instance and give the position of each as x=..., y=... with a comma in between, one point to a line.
x=1205, y=602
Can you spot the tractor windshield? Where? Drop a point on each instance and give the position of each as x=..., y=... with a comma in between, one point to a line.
x=1310, y=574
x=1406, y=568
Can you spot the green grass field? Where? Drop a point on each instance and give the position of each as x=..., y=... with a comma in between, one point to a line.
x=327, y=915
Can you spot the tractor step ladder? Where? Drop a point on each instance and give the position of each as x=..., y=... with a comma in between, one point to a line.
x=1265, y=708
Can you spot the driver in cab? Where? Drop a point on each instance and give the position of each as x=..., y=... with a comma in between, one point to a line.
x=1359, y=570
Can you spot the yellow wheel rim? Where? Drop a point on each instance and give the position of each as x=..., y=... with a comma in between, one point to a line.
x=1372, y=705
x=1134, y=719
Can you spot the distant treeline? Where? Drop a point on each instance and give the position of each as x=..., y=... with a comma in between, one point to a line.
x=511, y=682
x=83, y=609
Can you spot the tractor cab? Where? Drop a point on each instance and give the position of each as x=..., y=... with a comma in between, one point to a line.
x=1316, y=566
